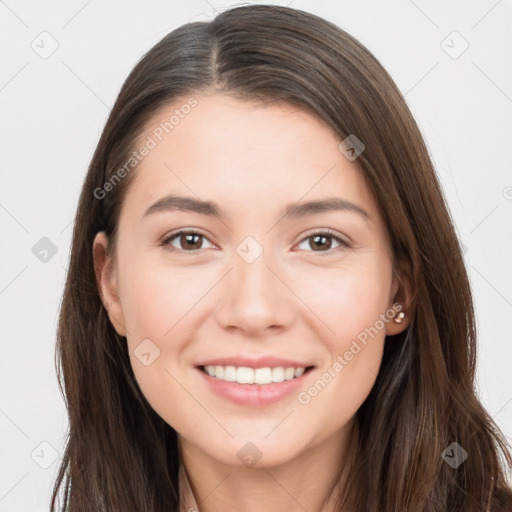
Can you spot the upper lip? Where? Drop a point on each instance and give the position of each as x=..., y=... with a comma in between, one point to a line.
x=254, y=362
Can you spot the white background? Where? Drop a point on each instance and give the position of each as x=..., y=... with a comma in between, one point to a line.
x=52, y=112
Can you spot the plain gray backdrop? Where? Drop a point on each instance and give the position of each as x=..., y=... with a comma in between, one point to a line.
x=61, y=67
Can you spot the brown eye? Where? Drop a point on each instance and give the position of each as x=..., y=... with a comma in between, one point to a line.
x=320, y=241
x=323, y=242
x=187, y=241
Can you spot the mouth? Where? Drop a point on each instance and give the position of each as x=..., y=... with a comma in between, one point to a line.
x=255, y=376
x=256, y=386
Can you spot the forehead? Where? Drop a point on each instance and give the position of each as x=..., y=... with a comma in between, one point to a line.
x=223, y=148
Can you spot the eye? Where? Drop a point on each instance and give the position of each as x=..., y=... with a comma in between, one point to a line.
x=189, y=240
x=323, y=239
x=192, y=241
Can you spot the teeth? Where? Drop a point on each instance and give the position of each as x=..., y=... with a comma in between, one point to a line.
x=229, y=373
x=245, y=375
x=278, y=374
x=219, y=370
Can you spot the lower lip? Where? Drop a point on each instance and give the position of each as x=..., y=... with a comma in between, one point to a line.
x=255, y=395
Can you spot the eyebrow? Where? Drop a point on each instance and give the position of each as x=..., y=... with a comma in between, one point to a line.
x=294, y=210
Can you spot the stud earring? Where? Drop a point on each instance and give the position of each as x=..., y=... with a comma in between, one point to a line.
x=398, y=318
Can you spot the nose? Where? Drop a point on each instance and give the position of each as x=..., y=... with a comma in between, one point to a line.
x=255, y=298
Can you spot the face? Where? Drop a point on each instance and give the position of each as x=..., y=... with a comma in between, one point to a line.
x=255, y=279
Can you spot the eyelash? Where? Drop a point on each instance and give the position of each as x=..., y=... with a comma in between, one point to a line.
x=326, y=232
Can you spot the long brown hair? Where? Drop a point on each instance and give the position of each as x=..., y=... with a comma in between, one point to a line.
x=120, y=455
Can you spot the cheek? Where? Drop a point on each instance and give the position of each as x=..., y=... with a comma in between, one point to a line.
x=157, y=298
x=155, y=307
x=338, y=303
x=351, y=303
x=161, y=304
x=346, y=301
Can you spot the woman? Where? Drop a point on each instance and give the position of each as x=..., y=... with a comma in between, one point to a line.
x=215, y=356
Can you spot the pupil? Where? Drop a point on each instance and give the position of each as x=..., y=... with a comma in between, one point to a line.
x=320, y=237
x=189, y=238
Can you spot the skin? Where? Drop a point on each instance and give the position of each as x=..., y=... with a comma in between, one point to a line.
x=292, y=301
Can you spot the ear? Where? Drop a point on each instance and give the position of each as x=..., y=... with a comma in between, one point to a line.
x=401, y=299
x=106, y=281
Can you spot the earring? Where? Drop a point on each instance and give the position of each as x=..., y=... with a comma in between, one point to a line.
x=398, y=318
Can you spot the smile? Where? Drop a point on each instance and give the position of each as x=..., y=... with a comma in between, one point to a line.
x=246, y=375
x=254, y=387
